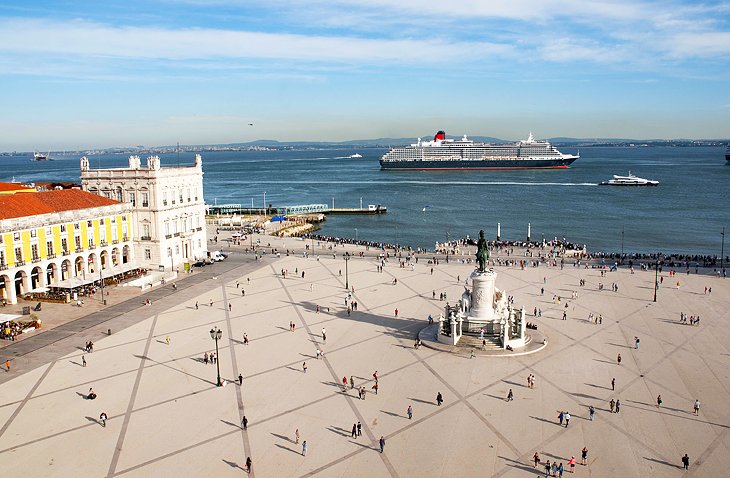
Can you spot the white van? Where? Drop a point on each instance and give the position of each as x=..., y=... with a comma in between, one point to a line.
x=216, y=256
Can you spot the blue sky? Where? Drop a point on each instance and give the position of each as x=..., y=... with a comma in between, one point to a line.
x=83, y=74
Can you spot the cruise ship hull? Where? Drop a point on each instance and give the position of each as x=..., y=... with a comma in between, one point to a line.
x=484, y=164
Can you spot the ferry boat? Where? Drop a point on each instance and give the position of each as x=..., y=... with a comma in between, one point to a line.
x=40, y=157
x=356, y=155
x=450, y=154
x=629, y=180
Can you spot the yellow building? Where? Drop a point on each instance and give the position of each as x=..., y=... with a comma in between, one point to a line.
x=12, y=188
x=61, y=239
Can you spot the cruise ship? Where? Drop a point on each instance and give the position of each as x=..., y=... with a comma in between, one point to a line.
x=450, y=154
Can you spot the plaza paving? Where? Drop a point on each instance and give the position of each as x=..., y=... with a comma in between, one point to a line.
x=167, y=417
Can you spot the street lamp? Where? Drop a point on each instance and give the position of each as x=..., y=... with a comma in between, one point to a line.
x=722, y=254
x=347, y=276
x=656, y=278
x=216, y=334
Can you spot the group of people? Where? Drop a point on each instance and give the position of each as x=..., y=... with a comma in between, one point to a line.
x=691, y=319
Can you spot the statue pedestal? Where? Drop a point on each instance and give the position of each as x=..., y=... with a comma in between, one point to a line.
x=482, y=296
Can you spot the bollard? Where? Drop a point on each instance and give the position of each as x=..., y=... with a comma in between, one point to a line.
x=108, y=331
x=104, y=301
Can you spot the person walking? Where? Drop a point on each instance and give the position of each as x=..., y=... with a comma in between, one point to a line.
x=196, y=305
x=83, y=361
x=359, y=428
x=439, y=399
x=296, y=436
x=354, y=430
x=249, y=465
x=697, y=407
x=572, y=464
x=103, y=418
x=344, y=380
x=240, y=379
x=375, y=387
x=167, y=340
x=618, y=359
x=612, y=404
x=409, y=412
x=396, y=312
x=362, y=392
x=561, y=469
x=304, y=367
x=584, y=456
x=510, y=395
x=382, y=444
x=245, y=339
x=591, y=412
x=352, y=383
x=229, y=307
x=613, y=383
x=567, y=419
x=244, y=423
x=561, y=416
x=685, y=461
x=618, y=406
x=636, y=343
x=536, y=459
x=659, y=401
x=547, y=468
x=211, y=303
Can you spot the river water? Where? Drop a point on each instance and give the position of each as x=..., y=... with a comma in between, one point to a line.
x=684, y=214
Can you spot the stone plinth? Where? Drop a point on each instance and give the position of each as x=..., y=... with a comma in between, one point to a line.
x=482, y=296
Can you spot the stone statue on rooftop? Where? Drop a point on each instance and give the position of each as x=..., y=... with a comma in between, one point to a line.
x=482, y=252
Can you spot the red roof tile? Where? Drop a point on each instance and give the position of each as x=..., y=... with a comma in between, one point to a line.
x=13, y=187
x=21, y=205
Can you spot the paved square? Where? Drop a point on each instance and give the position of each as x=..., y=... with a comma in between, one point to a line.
x=168, y=418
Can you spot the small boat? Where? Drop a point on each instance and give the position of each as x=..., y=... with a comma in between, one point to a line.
x=356, y=155
x=40, y=157
x=629, y=180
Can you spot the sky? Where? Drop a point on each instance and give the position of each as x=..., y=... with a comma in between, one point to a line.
x=83, y=74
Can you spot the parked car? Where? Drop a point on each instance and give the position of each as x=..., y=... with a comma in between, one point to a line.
x=200, y=264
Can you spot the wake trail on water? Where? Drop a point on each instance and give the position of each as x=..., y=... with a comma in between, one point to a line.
x=435, y=183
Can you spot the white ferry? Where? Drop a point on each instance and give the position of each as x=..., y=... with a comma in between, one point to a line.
x=629, y=180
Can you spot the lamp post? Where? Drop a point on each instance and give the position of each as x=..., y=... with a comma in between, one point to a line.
x=356, y=234
x=656, y=277
x=722, y=254
x=216, y=334
x=101, y=276
x=622, y=243
x=347, y=276
x=265, y=210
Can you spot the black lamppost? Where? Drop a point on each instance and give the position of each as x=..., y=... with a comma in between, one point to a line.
x=722, y=254
x=622, y=244
x=216, y=334
x=656, y=278
x=347, y=276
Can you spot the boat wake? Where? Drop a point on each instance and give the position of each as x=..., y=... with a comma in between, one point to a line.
x=435, y=183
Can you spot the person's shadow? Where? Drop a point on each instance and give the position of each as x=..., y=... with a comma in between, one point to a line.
x=233, y=464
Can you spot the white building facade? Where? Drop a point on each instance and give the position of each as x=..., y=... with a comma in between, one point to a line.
x=168, y=210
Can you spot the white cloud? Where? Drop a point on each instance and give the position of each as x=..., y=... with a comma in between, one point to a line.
x=98, y=40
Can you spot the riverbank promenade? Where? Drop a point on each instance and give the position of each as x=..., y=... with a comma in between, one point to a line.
x=167, y=417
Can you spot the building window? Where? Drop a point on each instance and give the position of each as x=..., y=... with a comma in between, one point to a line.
x=177, y=249
x=145, y=200
x=196, y=194
x=64, y=245
x=33, y=233
x=89, y=224
x=120, y=195
x=77, y=242
x=200, y=244
x=2, y=258
x=132, y=199
x=188, y=194
x=18, y=254
x=91, y=243
x=169, y=252
x=148, y=254
x=114, y=219
x=174, y=227
x=164, y=198
x=115, y=234
x=181, y=196
x=16, y=236
x=49, y=231
x=101, y=221
x=77, y=226
x=124, y=218
x=34, y=251
x=49, y=248
x=146, y=230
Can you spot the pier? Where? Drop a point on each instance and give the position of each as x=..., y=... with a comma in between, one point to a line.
x=239, y=210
